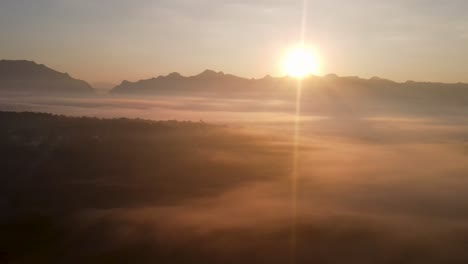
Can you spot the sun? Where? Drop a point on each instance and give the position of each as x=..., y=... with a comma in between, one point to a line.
x=300, y=62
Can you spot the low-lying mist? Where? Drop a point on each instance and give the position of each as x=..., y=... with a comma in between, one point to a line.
x=371, y=189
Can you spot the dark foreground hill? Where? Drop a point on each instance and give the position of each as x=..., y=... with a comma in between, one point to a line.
x=136, y=161
x=20, y=76
x=56, y=171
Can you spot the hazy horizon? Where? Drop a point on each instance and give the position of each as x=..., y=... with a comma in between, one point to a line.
x=107, y=85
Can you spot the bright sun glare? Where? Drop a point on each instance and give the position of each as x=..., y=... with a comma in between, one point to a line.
x=301, y=62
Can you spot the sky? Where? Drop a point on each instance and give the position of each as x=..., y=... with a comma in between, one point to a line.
x=113, y=40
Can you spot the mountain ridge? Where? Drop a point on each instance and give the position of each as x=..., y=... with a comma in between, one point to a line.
x=218, y=83
x=29, y=77
x=23, y=76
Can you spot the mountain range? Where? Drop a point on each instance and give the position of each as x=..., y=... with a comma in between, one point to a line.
x=327, y=90
x=31, y=78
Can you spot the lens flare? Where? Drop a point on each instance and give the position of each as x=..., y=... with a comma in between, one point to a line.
x=301, y=62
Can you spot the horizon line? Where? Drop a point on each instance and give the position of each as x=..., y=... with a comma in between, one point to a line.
x=221, y=73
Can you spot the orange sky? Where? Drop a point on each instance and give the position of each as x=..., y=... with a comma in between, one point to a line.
x=115, y=40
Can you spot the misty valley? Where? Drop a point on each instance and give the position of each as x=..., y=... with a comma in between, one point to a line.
x=92, y=190
x=215, y=168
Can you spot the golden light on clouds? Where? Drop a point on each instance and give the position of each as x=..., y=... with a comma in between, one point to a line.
x=301, y=61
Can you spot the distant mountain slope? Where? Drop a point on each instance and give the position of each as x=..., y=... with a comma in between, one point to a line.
x=21, y=76
x=211, y=82
x=207, y=82
x=330, y=89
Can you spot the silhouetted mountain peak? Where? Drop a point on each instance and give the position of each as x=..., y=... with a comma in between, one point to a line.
x=381, y=80
x=24, y=69
x=331, y=76
x=356, y=78
x=210, y=74
x=174, y=75
x=27, y=76
x=376, y=78
x=20, y=62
